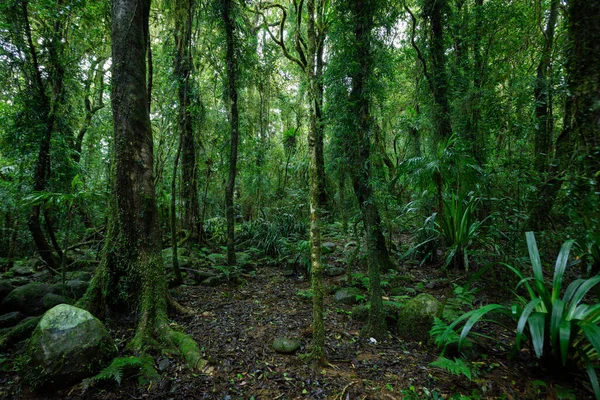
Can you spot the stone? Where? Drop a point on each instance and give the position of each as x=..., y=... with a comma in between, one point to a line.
x=28, y=298
x=76, y=288
x=212, y=281
x=52, y=299
x=68, y=344
x=334, y=271
x=285, y=345
x=347, y=296
x=85, y=276
x=22, y=268
x=415, y=319
x=11, y=319
x=19, y=281
x=5, y=289
x=328, y=247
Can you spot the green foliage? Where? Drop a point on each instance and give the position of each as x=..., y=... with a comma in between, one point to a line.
x=123, y=367
x=275, y=234
x=457, y=227
x=458, y=366
x=562, y=330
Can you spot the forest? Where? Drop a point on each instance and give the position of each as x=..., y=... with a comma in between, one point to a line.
x=299, y=199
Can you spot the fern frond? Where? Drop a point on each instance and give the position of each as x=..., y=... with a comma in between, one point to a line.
x=455, y=367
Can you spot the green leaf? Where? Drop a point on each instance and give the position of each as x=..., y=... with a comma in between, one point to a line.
x=559, y=270
x=536, y=328
x=565, y=340
x=527, y=311
x=534, y=255
x=475, y=316
x=558, y=308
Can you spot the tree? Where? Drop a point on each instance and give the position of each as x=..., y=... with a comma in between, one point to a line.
x=351, y=110
x=318, y=345
x=131, y=275
x=232, y=100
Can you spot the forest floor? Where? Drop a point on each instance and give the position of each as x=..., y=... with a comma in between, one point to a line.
x=235, y=326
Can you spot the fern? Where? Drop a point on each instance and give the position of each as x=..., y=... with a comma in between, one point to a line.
x=122, y=367
x=455, y=367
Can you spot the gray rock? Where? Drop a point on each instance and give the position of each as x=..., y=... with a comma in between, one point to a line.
x=334, y=271
x=11, y=319
x=5, y=289
x=29, y=298
x=85, y=276
x=76, y=288
x=416, y=317
x=285, y=345
x=22, y=268
x=41, y=276
x=212, y=281
x=328, y=247
x=52, y=299
x=19, y=281
x=67, y=345
x=347, y=296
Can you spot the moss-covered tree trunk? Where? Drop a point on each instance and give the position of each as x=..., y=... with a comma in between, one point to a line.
x=131, y=277
x=543, y=96
x=358, y=155
x=318, y=344
x=435, y=12
x=232, y=98
x=183, y=70
x=581, y=121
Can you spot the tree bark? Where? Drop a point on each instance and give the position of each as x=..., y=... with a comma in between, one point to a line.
x=131, y=276
x=227, y=9
x=358, y=155
x=434, y=11
x=318, y=343
x=183, y=70
x=543, y=97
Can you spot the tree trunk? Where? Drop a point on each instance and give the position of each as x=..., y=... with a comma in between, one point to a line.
x=582, y=115
x=131, y=275
x=183, y=70
x=434, y=12
x=318, y=344
x=584, y=82
x=227, y=8
x=542, y=95
x=358, y=155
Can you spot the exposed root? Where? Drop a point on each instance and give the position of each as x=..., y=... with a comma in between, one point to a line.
x=178, y=308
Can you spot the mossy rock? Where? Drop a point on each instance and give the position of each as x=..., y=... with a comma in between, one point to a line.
x=347, y=296
x=328, y=247
x=11, y=319
x=29, y=299
x=334, y=271
x=415, y=319
x=5, y=288
x=285, y=345
x=23, y=268
x=68, y=344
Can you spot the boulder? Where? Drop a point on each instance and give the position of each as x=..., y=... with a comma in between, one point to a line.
x=76, y=288
x=22, y=268
x=29, y=299
x=68, y=344
x=85, y=276
x=285, y=345
x=19, y=281
x=11, y=319
x=5, y=289
x=347, y=296
x=328, y=247
x=52, y=299
x=212, y=281
x=416, y=317
x=334, y=271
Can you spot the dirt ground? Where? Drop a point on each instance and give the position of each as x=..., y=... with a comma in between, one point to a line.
x=235, y=326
